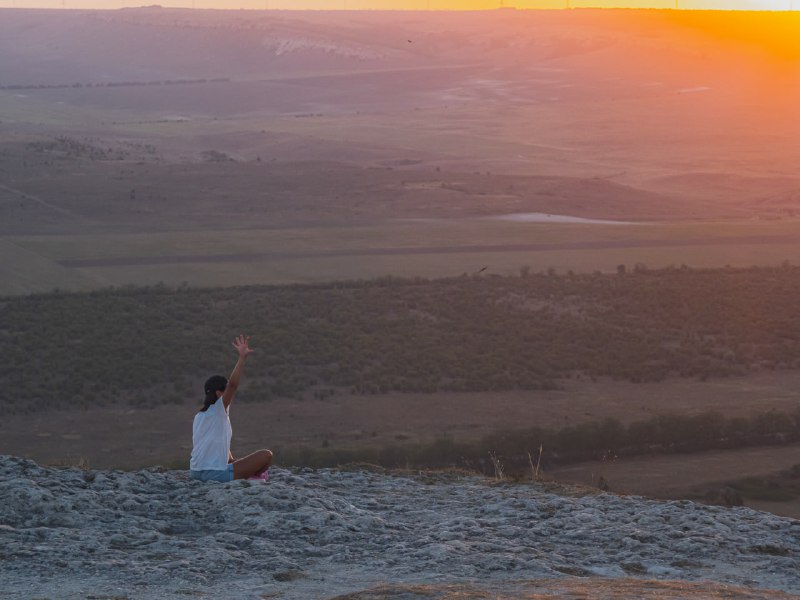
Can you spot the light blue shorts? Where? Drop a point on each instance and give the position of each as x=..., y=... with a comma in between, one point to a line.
x=214, y=474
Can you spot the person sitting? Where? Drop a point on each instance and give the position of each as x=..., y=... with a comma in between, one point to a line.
x=211, y=458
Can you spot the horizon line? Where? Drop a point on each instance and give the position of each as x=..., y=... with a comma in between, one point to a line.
x=405, y=10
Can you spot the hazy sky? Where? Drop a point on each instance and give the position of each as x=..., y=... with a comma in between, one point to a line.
x=408, y=4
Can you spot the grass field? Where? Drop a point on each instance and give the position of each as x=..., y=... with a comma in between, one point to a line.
x=435, y=248
x=127, y=437
x=378, y=157
x=347, y=420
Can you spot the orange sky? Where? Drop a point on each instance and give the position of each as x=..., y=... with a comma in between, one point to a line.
x=782, y=5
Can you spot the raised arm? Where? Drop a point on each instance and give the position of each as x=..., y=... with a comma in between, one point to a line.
x=242, y=345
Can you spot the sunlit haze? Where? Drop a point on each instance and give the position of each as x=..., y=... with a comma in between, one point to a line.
x=771, y=5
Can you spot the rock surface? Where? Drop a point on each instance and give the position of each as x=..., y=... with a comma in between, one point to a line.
x=69, y=533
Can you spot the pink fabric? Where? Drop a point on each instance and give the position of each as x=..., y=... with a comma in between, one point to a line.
x=263, y=476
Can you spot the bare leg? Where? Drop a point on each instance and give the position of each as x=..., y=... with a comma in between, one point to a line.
x=252, y=464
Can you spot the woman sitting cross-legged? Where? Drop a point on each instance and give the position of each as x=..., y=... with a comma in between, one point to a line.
x=212, y=459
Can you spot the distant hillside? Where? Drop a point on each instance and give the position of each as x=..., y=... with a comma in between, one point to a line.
x=642, y=96
x=617, y=50
x=151, y=120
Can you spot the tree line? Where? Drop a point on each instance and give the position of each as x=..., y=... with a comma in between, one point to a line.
x=470, y=333
x=517, y=451
x=110, y=84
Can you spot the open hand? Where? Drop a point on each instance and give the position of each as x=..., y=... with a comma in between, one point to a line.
x=242, y=345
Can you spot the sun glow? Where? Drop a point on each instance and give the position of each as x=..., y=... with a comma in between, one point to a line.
x=776, y=35
x=413, y=5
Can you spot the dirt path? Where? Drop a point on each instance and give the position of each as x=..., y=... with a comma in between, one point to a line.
x=38, y=200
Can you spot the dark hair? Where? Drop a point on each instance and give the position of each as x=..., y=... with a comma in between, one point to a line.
x=214, y=384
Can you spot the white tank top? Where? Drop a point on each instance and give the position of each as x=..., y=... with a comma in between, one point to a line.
x=211, y=438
